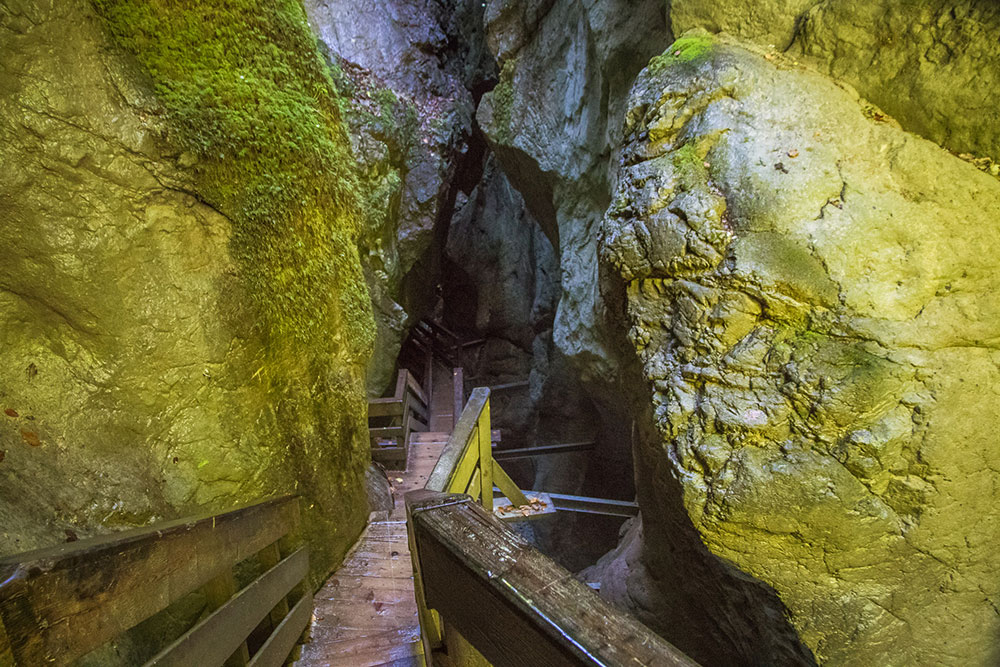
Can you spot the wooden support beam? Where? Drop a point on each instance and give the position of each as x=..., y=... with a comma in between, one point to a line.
x=60, y=603
x=216, y=637
x=512, y=603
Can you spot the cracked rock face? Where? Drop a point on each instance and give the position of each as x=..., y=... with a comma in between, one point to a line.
x=134, y=383
x=933, y=66
x=813, y=298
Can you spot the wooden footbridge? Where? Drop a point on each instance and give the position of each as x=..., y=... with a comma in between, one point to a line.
x=436, y=579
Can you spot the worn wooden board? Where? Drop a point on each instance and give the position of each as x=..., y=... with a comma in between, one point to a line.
x=88, y=592
x=515, y=605
x=216, y=637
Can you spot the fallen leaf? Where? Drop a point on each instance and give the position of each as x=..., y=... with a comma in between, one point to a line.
x=378, y=607
x=10, y=412
x=399, y=479
x=780, y=167
x=30, y=437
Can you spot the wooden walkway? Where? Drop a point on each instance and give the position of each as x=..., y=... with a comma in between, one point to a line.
x=366, y=615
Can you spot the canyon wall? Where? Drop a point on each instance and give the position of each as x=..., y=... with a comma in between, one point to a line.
x=184, y=323
x=816, y=324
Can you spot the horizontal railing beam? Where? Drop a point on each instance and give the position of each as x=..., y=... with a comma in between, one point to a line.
x=512, y=603
x=542, y=450
x=86, y=593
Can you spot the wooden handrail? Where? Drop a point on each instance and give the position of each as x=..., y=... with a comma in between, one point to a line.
x=395, y=417
x=466, y=465
x=485, y=594
x=58, y=604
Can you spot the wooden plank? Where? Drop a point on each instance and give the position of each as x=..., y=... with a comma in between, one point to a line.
x=415, y=388
x=401, y=384
x=390, y=407
x=475, y=487
x=515, y=605
x=485, y=496
x=88, y=592
x=458, y=392
x=542, y=450
x=386, y=432
x=279, y=645
x=218, y=592
x=214, y=639
x=270, y=557
x=503, y=481
x=455, y=450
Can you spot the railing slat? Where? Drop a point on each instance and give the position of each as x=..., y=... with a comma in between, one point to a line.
x=218, y=636
x=503, y=482
x=513, y=604
x=86, y=593
x=443, y=474
x=275, y=650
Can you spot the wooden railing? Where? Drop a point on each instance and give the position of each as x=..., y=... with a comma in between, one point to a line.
x=466, y=464
x=61, y=603
x=486, y=596
x=392, y=419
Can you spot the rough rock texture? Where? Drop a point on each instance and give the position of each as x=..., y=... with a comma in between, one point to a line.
x=183, y=320
x=565, y=68
x=933, y=65
x=409, y=71
x=817, y=321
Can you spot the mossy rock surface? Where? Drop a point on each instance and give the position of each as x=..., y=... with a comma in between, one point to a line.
x=817, y=323
x=185, y=324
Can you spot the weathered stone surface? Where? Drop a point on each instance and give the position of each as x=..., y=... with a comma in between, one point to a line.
x=157, y=356
x=409, y=70
x=817, y=319
x=933, y=65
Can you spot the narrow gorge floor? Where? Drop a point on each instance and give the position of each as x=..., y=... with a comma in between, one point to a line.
x=366, y=614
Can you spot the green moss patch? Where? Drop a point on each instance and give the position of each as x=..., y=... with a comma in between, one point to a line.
x=686, y=49
x=248, y=96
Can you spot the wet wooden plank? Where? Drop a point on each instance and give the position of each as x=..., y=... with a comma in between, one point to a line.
x=275, y=650
x=214, y=639
x=515, y=605
x=88, y=592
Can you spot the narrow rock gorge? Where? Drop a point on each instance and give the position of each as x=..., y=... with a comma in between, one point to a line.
x=742, y=248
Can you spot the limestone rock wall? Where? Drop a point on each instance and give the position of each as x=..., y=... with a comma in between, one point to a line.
x=184, y=324
x=931, y=65
x=409, y=73
x=815, y=308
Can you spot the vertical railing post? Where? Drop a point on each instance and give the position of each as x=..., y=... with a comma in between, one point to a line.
x=458, y=395
x=485, y=457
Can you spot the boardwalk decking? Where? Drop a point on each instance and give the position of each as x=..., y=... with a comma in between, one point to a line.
x=366, y=615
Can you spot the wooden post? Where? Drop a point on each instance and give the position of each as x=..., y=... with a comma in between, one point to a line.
x=269, y=557
x=458, y=388
x=218, y=592
x=486, y=458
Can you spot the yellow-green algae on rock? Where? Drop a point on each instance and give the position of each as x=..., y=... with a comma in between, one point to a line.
x=817, y=322
x=183, y=320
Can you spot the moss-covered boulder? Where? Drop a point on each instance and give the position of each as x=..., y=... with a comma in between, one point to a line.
x=184, y=324
x=933, y=64
x=814, y=301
